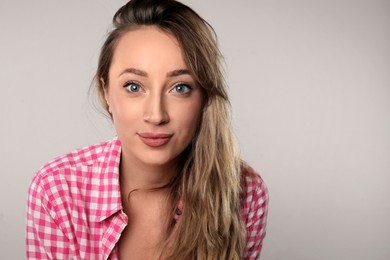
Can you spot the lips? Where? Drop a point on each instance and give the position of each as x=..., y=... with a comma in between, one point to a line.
x=155, y=139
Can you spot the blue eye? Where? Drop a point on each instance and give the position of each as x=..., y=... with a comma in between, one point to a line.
x=133, y=87
x=181, y=89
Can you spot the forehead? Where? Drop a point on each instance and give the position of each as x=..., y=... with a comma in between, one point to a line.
x=148, y=48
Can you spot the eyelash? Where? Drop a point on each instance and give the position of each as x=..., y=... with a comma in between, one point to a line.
x=129, y=84
x=132, y=83
x=185, y=86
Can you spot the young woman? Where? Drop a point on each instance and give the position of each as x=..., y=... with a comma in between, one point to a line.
x=171, y=185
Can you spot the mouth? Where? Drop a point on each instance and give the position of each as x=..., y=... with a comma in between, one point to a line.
x=155, y=139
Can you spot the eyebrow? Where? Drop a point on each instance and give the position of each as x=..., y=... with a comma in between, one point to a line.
x=176, y=73
x=142, y=73
x=134, y=71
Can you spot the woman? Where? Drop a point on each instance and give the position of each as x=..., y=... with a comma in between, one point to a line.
x=171, y=185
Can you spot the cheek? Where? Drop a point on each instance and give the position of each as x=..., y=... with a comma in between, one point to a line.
x=124, y=113
x=189, y=119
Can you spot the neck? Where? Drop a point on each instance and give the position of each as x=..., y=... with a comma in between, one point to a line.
x=136, y=175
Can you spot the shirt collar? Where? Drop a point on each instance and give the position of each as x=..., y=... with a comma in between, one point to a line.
x=106, y=176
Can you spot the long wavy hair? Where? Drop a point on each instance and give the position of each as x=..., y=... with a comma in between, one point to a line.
x=208, y=183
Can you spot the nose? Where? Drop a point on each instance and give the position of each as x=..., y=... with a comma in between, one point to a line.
x=155, y=110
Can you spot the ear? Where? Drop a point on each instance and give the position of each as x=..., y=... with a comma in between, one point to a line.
x=105, y=90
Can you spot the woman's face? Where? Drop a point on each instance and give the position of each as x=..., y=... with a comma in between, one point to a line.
x=154, y=100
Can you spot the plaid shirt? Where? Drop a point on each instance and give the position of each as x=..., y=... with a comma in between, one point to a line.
x=75, y=211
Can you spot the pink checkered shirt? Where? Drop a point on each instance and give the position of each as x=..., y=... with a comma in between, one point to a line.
x=74, y=207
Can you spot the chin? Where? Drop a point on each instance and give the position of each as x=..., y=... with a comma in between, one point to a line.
x=156, y=159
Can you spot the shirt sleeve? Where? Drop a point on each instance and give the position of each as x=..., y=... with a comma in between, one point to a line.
x=255, y=212
x=44, y=236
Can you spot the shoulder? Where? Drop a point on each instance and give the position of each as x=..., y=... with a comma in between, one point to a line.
x=252, y=184
x=254, y=199
x=254, y=195
x=79, y=158
x=73, y=169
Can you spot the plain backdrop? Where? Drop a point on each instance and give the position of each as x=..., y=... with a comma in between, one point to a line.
x=310, y=89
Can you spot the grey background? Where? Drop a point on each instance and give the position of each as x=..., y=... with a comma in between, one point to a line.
x=310, y=89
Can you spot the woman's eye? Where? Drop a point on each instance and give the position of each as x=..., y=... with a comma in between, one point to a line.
x=133, y=87
x=181, y=89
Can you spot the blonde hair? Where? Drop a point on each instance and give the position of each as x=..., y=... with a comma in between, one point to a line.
x=210, y=226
